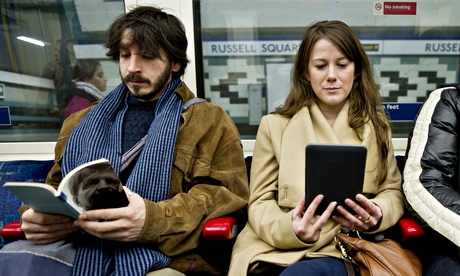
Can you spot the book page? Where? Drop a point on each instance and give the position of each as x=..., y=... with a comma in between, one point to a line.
x=93, y=185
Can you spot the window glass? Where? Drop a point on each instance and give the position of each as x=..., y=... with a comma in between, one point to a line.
x=42, y=42
x=248, y=49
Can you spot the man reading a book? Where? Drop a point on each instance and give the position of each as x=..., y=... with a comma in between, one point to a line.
x=180, y=160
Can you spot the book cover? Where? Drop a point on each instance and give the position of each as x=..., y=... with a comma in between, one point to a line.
x=93, y=185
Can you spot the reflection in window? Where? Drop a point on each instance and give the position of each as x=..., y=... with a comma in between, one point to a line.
x=41, y=43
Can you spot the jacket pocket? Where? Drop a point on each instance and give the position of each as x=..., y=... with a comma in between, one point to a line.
x=195, y=170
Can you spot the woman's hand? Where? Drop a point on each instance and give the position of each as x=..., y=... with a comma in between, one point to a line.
x=368, y=214
x=41, y=228
x=302, y=224
x=122, y=224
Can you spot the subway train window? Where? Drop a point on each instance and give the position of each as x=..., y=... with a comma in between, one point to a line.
x=244, y=51
x=247, y=51
x=49, y=50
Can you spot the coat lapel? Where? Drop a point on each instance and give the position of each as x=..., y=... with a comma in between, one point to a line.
x=307, y=126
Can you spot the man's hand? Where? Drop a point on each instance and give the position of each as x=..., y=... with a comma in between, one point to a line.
x=121, y=224
x=41, y=228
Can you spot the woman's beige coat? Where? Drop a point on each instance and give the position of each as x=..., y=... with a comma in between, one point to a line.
x=277, y=185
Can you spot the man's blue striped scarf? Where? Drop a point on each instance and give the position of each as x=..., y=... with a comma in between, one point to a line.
x=99, y=135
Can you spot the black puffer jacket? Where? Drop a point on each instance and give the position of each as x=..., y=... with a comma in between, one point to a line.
x=431, y=173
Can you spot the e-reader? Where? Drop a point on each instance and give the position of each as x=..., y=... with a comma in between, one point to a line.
x=335, y=171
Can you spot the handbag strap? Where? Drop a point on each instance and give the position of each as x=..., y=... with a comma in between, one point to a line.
x=349, y=266
x=346, y=257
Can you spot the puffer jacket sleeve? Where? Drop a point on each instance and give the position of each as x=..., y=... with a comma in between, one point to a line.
x=431, y=176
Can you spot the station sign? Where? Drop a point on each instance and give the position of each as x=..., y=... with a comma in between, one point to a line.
x=5, y=118
x=372, y=47
x=395, y=8
x=402, y=111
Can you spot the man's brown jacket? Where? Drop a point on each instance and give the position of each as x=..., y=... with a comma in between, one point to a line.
x=209, y=180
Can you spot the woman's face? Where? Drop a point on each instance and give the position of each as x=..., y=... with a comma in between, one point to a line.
x=331, y=74
x=98, y=79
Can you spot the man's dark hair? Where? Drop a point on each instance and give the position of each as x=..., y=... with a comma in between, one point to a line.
x=153, y=31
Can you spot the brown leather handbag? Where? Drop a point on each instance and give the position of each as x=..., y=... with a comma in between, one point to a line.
x=382, y=257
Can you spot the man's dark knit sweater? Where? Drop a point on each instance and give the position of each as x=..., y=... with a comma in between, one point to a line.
x=137, y=121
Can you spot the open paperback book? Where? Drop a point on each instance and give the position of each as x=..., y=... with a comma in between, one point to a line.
x=93, y=185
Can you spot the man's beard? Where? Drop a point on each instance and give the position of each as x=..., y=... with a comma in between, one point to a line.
x=158, y=87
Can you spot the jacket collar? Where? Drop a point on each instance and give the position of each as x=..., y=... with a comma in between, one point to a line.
x=184, y=92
